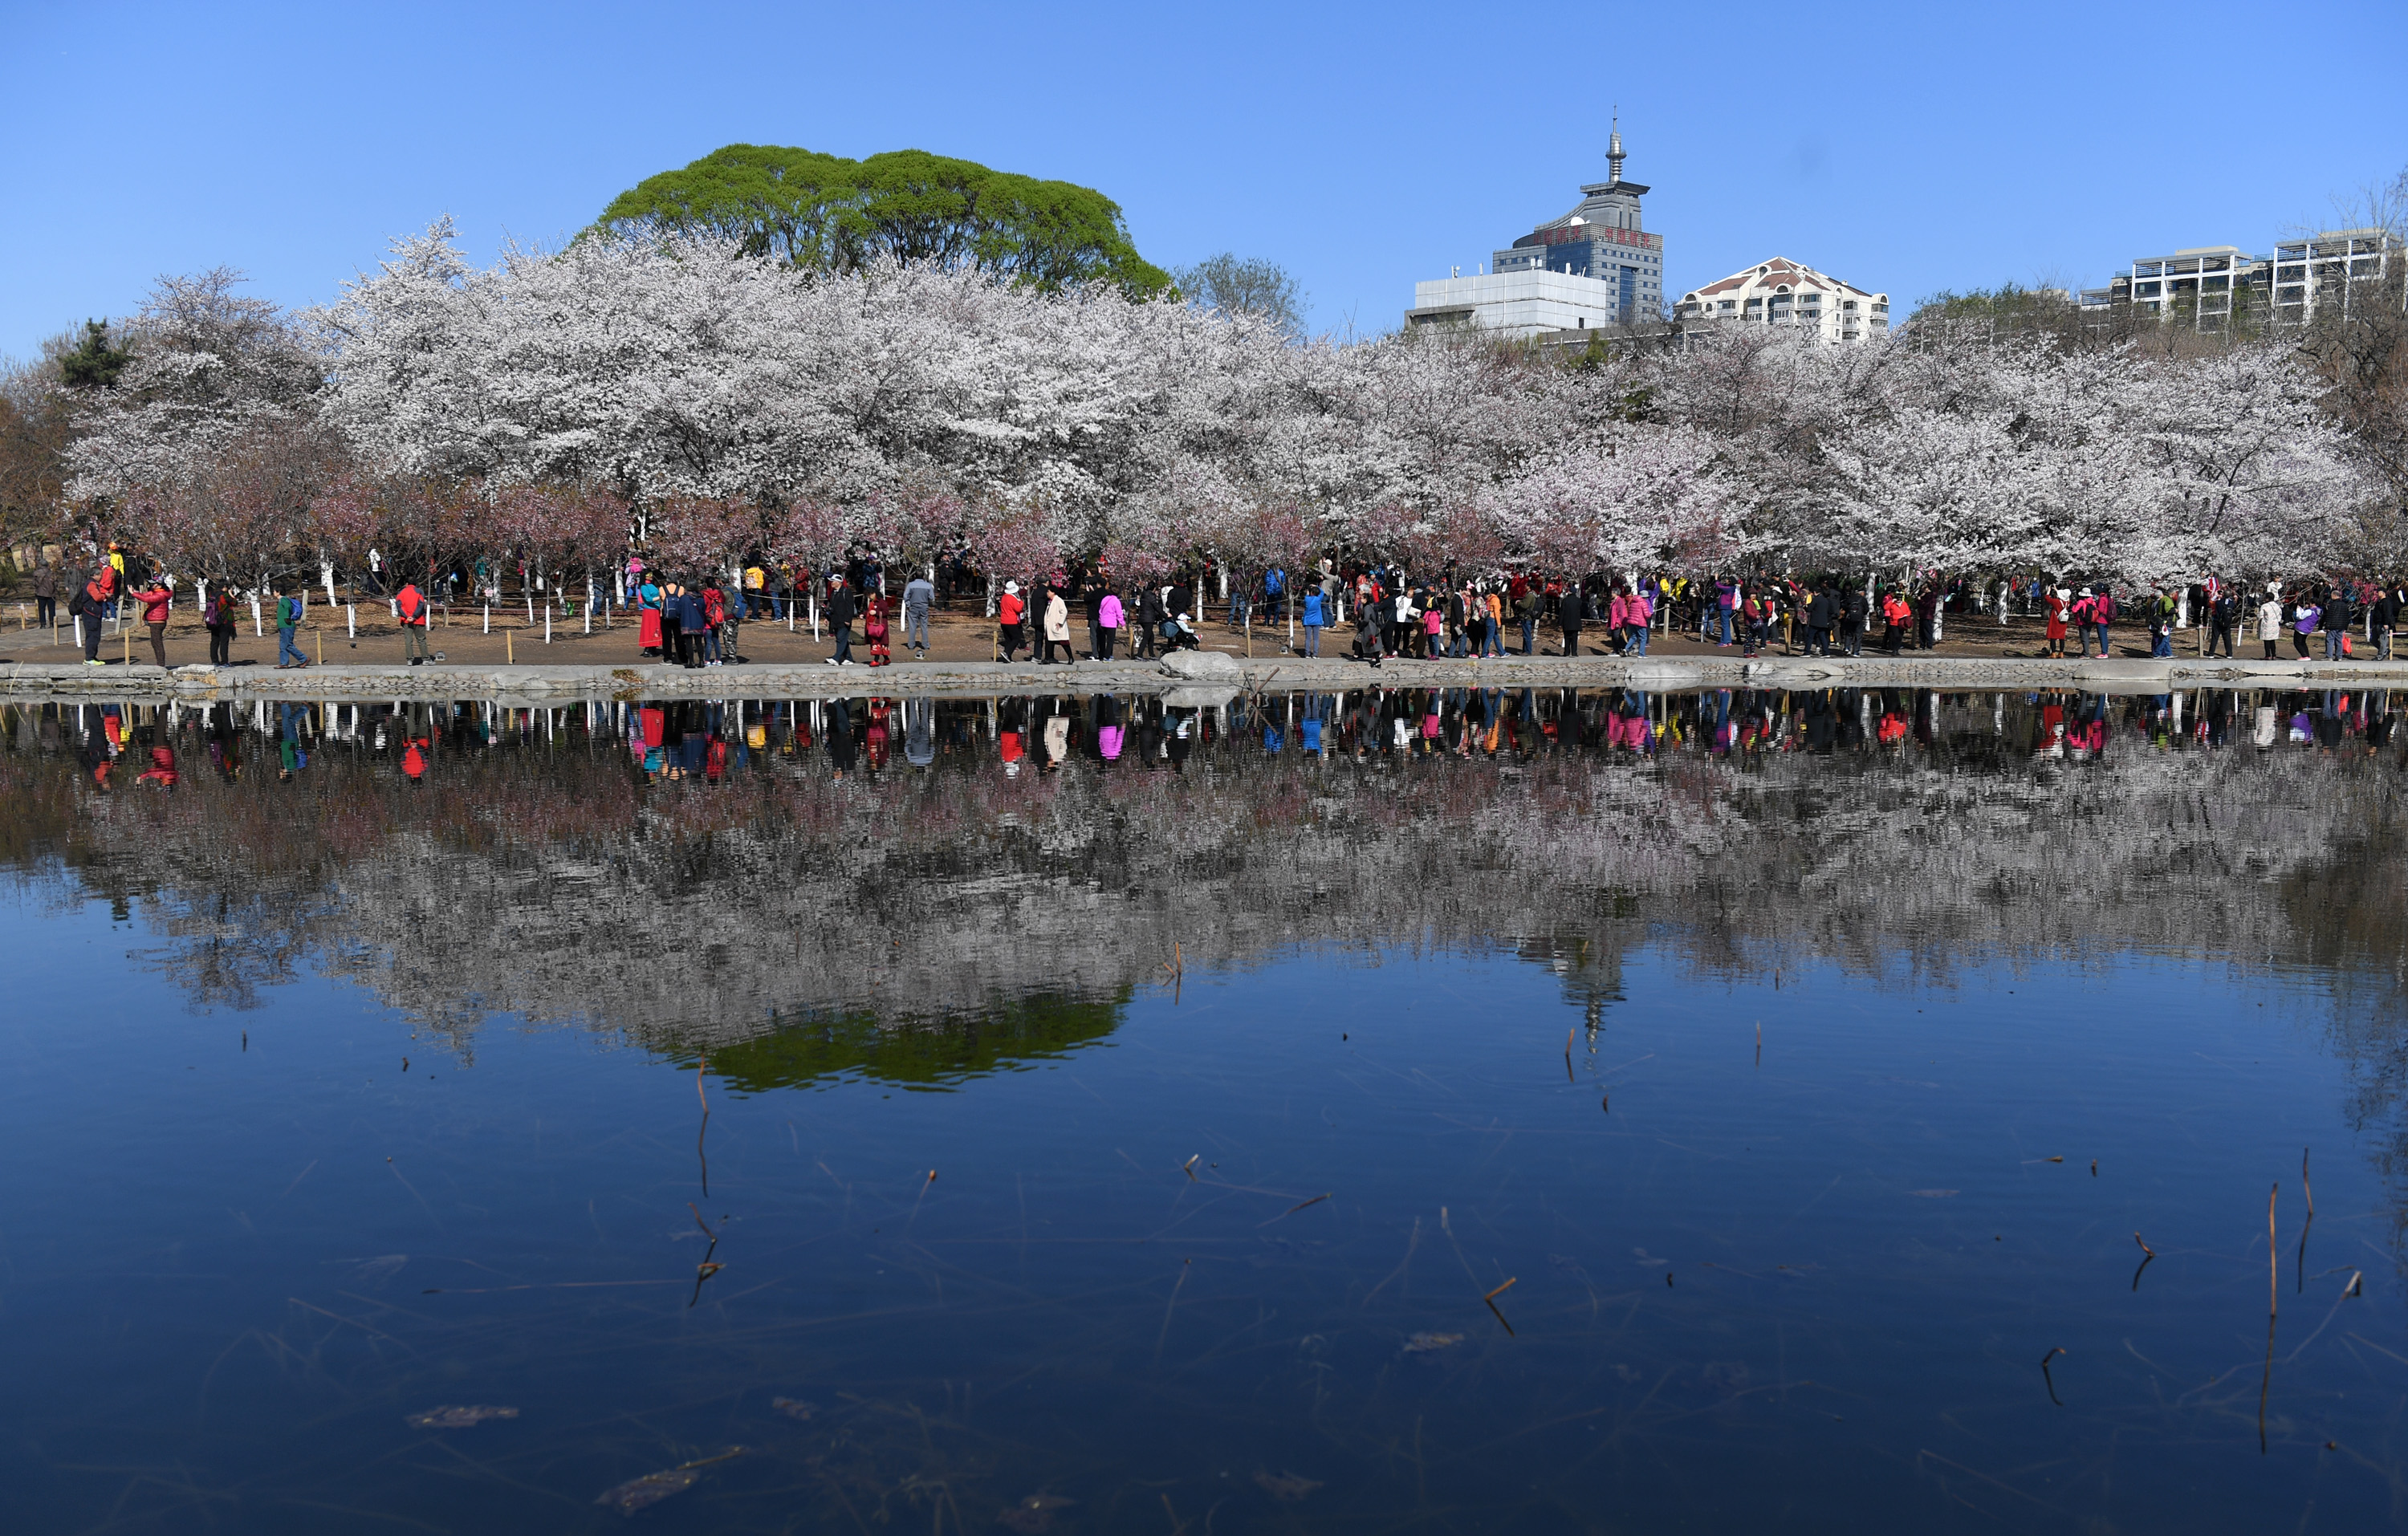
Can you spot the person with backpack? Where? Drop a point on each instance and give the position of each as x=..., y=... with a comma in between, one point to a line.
x=217, y=617
x=290, y=606
x=2085, y=605
x=412, y=603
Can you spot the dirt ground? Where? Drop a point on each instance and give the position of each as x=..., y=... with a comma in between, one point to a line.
x=955, y=635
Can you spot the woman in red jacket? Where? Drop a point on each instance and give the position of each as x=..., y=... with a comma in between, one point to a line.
x=156, y=602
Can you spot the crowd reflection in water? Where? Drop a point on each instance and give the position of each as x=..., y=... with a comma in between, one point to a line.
x=710, y=741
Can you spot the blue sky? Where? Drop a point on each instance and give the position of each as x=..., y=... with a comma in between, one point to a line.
x=1903, y=148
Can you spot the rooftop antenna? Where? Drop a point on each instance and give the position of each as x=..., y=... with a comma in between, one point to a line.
x=1613, y=155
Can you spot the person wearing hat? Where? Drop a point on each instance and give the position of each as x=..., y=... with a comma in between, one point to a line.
x=2083, y=613
x=1007, y=619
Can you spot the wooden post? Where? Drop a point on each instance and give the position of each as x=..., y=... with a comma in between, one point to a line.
x=509, y=650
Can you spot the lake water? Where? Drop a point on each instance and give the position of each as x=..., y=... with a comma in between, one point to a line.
x=1490, y=1111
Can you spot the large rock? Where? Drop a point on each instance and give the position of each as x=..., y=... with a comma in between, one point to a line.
x=1202, y=665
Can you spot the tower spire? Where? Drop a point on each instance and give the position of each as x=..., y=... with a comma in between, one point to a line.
x=1613, y=156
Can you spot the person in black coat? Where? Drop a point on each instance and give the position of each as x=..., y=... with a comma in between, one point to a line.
x=1851, y=618
x=2336, y=620
x=839, y=614
x=1571, y=608
x=1821, y=613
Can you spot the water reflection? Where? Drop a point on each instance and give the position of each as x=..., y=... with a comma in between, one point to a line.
x=1608, y=1008
x=708, y=866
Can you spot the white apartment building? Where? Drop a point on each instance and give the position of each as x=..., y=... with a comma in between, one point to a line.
x=1779, y=292
x=2333, y=268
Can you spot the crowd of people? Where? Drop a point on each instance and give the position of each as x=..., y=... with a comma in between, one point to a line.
x=1384, y=610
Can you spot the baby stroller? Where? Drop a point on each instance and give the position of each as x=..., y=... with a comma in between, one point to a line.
x=1179, y=635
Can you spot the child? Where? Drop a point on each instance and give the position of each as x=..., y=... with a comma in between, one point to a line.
x=874, y=625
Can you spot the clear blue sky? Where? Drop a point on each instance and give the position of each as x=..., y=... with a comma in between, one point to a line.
x=1901, y=148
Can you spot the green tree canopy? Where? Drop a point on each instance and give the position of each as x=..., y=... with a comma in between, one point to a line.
x=828, y=214
x=92, y=363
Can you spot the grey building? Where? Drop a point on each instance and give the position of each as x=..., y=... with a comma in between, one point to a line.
x=1593, y=268
x=1602, y=239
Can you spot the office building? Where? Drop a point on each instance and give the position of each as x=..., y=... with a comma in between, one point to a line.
x=1596, y=267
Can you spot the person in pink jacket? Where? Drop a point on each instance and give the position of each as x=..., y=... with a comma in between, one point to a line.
x=1110, y=616
x=156, y=602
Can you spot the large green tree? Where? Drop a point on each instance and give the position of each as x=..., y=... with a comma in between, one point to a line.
x=826, y=212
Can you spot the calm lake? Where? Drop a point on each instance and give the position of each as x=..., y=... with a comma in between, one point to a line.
x=1506, y=1110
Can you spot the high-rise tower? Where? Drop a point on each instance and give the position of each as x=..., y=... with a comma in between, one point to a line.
x=1596, y=267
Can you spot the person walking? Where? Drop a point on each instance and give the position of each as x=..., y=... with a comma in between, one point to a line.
x=1148, y=624
x=874, y=628
x=289, y=610
x=1312, y=621
x=412, y=603
x=840, y=613
x=46, y=594
x=2270, y=621
x=1057, y=627
x=1111, y=619
x=919, y=594
x=1007, y=619
x=157, y=602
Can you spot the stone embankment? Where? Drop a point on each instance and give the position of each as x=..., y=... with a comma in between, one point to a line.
x=1195, y=678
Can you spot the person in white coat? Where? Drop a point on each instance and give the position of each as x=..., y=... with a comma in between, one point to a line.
x=2270, y=623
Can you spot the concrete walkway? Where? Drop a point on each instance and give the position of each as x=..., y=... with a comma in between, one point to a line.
x=1206, y=680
